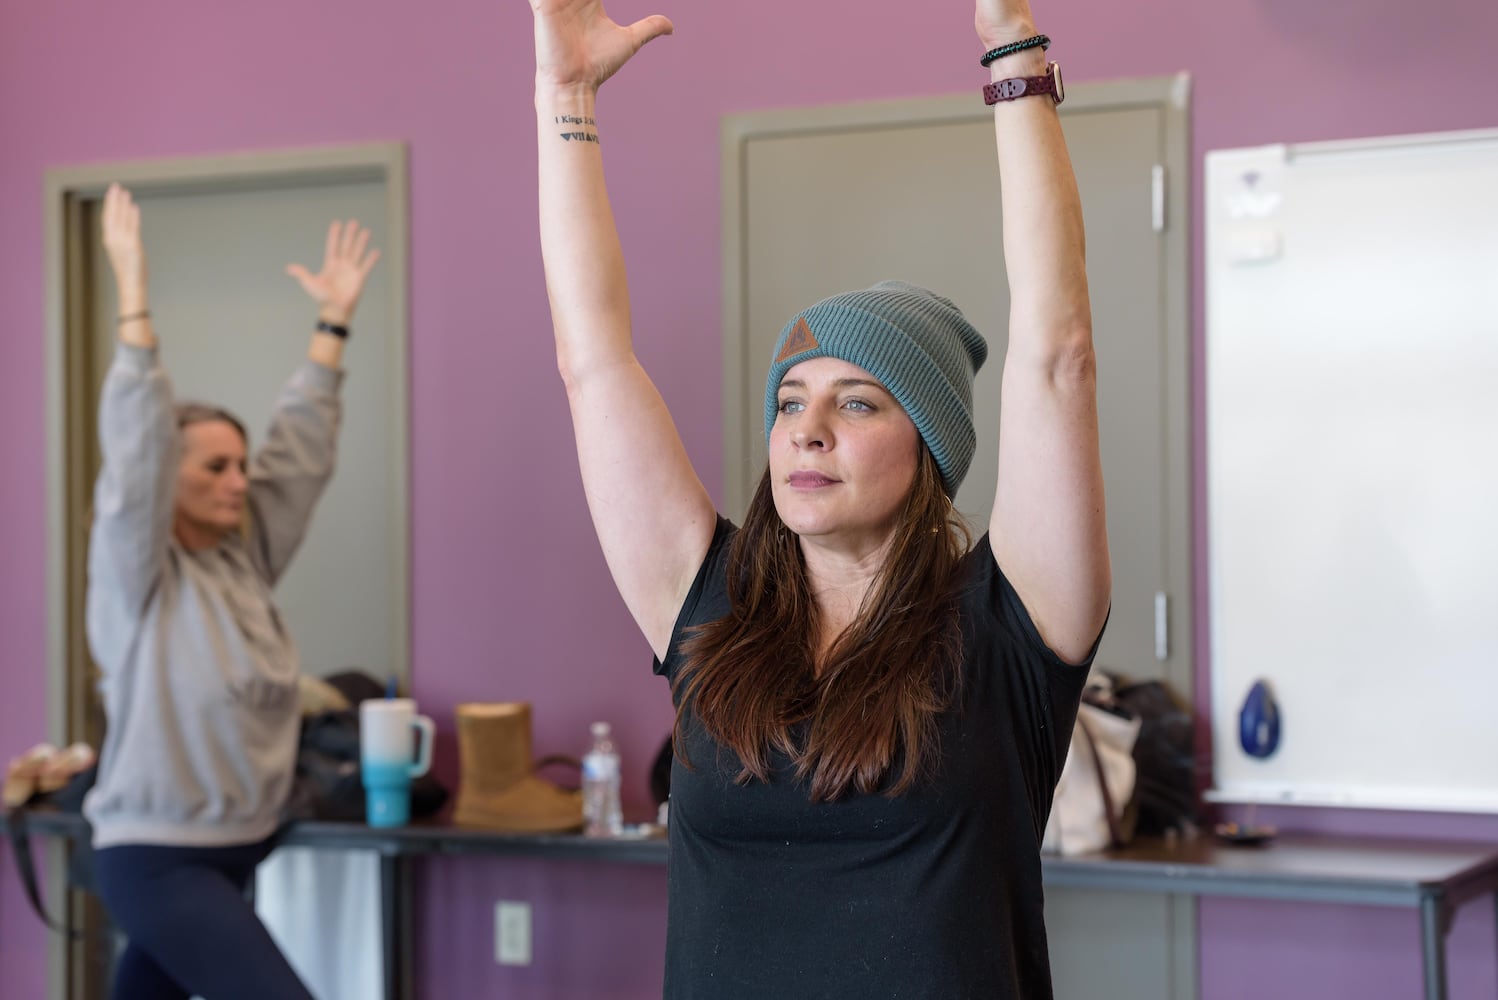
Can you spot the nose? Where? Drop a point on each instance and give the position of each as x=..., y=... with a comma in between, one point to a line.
x=804, y=439
x=810, y=429
x=238, y=482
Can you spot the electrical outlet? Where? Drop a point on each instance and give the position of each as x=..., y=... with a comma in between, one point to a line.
x=512, y=933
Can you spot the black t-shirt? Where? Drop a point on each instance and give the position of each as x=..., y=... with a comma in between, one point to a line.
x=933, y=894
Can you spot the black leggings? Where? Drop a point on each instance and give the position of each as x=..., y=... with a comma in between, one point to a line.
x=192, y=931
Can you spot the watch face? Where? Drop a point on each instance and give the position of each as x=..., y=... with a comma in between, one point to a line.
x=1056, y=82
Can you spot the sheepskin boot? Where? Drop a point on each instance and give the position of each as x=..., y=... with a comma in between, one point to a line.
x=498, y=789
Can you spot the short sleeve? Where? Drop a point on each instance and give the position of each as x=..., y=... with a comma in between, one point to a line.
x=706, y=600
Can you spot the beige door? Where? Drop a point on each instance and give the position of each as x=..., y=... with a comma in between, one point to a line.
x=823, y=201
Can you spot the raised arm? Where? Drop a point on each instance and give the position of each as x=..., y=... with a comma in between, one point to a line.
x=133, y=496
x=293, y=466
x=653, y=516
x=1049, y=531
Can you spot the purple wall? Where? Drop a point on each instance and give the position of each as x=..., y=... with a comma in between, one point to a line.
x=504, y=609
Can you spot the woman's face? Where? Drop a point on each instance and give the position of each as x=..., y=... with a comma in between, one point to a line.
x=212, y=481
x=843, y=454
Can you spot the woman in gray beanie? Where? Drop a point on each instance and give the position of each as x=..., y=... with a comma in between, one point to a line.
x=872, y=711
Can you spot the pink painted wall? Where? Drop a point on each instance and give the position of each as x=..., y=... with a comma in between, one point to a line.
x=511, y=599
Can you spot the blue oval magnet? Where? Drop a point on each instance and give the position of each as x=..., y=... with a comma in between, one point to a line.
x=1259, y=722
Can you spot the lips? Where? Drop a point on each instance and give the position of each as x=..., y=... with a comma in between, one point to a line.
x=808, y=480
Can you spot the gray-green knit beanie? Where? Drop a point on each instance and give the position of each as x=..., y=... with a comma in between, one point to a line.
x=916, y=343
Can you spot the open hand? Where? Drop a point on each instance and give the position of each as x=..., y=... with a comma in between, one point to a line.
x=578, y=46
x=122, y=243
x=346, y=264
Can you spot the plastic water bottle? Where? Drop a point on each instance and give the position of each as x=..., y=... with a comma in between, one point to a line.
x=601, y=813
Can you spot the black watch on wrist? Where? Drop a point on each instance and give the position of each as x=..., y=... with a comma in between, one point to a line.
x=1027, y=86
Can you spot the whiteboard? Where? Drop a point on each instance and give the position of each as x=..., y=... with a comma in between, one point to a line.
x=1352, y=446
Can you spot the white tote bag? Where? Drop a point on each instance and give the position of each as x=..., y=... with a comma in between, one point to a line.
x=1097, y=782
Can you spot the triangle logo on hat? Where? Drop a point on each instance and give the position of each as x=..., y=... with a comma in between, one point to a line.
x=799, y=341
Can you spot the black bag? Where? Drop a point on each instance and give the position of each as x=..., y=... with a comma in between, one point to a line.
x=1164, y=756
x=67, y=799
x=328, y=786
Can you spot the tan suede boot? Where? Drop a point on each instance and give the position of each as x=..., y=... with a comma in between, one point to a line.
x=498, y=789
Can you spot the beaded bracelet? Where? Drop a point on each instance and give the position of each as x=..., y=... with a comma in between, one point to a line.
x=1043, y=41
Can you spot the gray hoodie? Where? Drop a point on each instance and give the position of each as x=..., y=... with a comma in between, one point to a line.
x=198, y=673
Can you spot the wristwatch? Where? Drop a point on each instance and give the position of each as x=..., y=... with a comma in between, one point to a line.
x=1027, y=86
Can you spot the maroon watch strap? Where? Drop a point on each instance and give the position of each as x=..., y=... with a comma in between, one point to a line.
x=1023, y=86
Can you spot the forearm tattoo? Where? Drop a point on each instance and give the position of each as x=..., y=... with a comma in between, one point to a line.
x=578, y=134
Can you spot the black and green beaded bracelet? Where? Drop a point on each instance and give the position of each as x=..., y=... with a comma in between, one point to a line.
x=1043, y=41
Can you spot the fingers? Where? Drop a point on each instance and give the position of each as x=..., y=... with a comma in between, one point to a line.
x=361, y=241
x=115, y=201
x=120, y=228
x=121, y=216
x=353, y=247
x=347, y=241
x=368, y=265
x=303, y=278
x=330, y=249
x=346, y=264
x=650, y=28
x=111, y=208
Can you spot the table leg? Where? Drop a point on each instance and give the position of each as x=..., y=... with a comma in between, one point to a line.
x=405, y=925
x=1433, y=948
x=391, y=944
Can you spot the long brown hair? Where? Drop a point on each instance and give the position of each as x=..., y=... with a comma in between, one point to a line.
x=752, y=679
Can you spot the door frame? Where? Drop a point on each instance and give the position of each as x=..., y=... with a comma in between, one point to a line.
x=1170, y=96
x=71, y=439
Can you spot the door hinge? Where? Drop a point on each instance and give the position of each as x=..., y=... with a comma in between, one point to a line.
x=1157, y=197
x=1162, y=626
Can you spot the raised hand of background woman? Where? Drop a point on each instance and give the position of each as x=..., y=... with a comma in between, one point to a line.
x=346, y=264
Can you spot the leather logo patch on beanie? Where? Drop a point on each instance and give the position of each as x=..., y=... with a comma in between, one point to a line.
x=800, y=339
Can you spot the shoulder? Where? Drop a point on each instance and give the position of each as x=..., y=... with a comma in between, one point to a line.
x=988, y=601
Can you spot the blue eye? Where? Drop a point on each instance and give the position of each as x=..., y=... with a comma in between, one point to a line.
x=790, y=406
x=858, y=404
